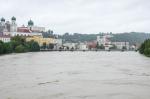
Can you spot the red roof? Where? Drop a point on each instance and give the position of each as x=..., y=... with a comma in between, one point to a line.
x=23, y=29
x=92, y=44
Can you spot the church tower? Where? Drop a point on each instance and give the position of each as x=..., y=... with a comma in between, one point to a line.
x=2, y=24
x=30, y=24
x=2, y=21
x=13, y=25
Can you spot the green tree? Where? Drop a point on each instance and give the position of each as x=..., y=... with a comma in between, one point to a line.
x=101, y=46
x=113, y=47
x=19, y=40
x=51, y=46
x=124, y=48
x=145, y=48
x=147, y=51
x=141, y=49
x=8, y=48
x=18, y=45
x=33, y=46
x=97, y=45
x=14, y=44
x=1, y=47
x=20, y=49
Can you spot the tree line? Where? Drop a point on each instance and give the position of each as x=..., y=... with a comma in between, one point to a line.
x=18, y=45
x=145, y=48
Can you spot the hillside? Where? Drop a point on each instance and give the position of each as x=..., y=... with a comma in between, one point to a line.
x=132, y=37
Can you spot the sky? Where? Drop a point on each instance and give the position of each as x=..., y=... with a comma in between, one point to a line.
x=81, y=16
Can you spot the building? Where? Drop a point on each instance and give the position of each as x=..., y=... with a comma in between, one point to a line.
x=13, y=25
x=4, y=38
x=8, y=26
x=24, y=31
x=92, y=45
x=69, y=45
x=58, y=44
x=104, y=40
x=58, y=41
x=35, y=28
x=82, y=46
x=20, y=34
x=2, y=25
x=121, y=45
x=41, y=40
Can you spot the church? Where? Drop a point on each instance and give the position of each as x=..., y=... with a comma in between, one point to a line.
x=7, y=26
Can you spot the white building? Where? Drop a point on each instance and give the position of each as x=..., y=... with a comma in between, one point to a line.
x=107, y=48
x=8, y=26
x=4, y=38
x=58, y=44
x=82, y=46
x=58, y=41
x=70, y=45
x=13, y=25
x=104, y=40
x=25, y=34
x=35, y=34
x=19, y=34
x=35, y=28
x=120, y=45
x=2, y=25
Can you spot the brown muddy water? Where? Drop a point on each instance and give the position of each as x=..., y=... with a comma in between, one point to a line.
x=75, y=75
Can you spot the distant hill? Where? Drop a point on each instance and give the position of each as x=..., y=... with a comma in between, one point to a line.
x=132, y=37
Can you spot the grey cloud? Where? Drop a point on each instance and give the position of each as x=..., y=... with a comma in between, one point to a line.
x=83, y=16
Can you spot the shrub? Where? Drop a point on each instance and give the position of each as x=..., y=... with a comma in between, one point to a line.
x=8, y=48
x=20, y=49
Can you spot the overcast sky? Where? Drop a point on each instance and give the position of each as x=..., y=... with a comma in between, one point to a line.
x=81, y=16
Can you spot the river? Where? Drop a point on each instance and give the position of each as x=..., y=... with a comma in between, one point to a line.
x=75, y=75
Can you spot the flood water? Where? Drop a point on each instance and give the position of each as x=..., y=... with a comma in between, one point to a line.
x=75, y=75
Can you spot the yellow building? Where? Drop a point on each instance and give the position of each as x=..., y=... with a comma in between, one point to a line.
x=41, y=40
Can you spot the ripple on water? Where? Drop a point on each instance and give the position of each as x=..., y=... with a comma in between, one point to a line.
x=121, y=95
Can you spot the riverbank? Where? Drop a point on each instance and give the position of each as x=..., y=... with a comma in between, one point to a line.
x=84, y=50
x=69, y=51
x=18, y=45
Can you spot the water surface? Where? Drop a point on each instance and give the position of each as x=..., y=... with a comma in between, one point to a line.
x=75, y=75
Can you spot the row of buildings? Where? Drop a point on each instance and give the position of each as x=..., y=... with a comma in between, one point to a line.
x=102, y=42
x=105, y=41
x=10, y=29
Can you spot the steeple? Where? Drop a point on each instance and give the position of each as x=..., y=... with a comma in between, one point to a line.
x=2, y=19
x=30, y=23
x=13, y=18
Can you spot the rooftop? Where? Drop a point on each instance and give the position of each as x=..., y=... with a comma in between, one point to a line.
x=4, y=36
